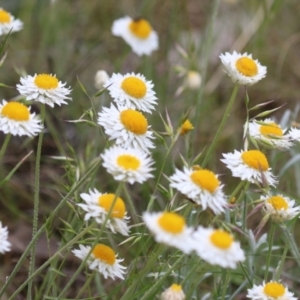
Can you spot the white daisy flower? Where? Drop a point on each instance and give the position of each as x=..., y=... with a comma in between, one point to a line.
x=201, y=186
x=4, y=243
x=129, y=165
x=270, y=291
x=132, y=90
x=217, y=247
x=170, y=229
x=270, y=134
x=98, y=205
x=250, y=165
x=44, y=88
x=127, y=126
x=174, y=292
x=102, y=259
x=242, y=68
x=294, y=134
x=16, y=119
x=9, y=23
x=280, y=208
x=137, y=33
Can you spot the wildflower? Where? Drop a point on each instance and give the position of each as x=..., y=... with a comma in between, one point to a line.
x=4, y=243
x=294, y=134
x=9, y=23
x=127, y=126
x=217, y=247
x=102, y=259
x=132, y=90
x=193, y=80
x=250, y=165
x=129, y=165
x=270, y=291
x=201, y=186
x=100, y=78
x=242, y=68
x=174, y=292
x=98, y=205
x=169, y=228
x=137, y=33
x=280, y=208
x=270, y=134
x=186, y=127
x=44, y=88
x=16, y=119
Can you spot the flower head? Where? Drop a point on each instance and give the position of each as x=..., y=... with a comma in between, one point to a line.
x=250, y=165
x=16, y=119
x=44, y=88
x=9, y=23
x=270, y=134
x=127, y=126
x=100, y=78
x=102, y=259
x=174, y=292
x=169, y=228
x=98, y=205
x=129, y=165
x=132, y=91
x=193, y=80
x=186, y=127
x=201, y=186
x=242, y=68
x=280, y=208
x=137, y=33
x=272, y=290
x=217, y=247
x=4, y=243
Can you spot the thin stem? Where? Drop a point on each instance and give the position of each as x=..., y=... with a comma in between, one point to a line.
x=271, y=238
x=221, y=127
x=4, y=146
x=36, y=202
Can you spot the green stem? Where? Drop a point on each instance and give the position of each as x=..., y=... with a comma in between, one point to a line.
x=221, y=127
x=271, y=238
x=36, y=202
x=278, y=272
x=4, y=146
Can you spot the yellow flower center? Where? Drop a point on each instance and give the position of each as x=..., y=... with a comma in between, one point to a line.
x=274, y=289
x=205, y=179
x=4, y=16
x=186, y=127
x=271, y=129
x=134, y=121
x=171, y=222
x=140, y=28
x=246, y=66
x=256, y=160
x=16, y=111
x=106, y=202
x=134, y=87
x=46, y=82
x=221, y=239
x=104, y=253
x=128, y=162
x=176, y=287
x=278, y=202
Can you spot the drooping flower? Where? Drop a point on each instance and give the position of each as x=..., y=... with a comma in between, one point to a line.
x=4, y=243
x=102, y=259
x=132, y=91
x=242, y=68
x=217, y=247
x=251, y=165
x=44, y=88
x=128, y=127
x=128, y=165
x=137, y=33
x=271, y=290
x=174, y=292
x=201, y=186
x=170, y=229
x=16, y=119
x=9, y=23
x=98, y=205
